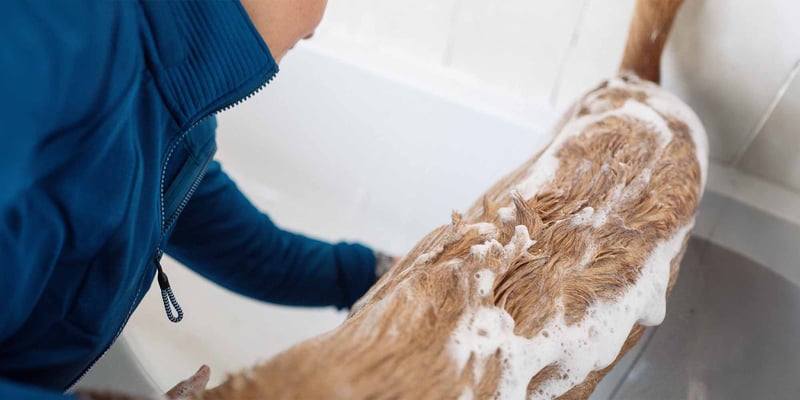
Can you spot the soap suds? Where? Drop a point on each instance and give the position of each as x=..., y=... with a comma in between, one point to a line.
x=659, y=102
x=544, y=169
x=669, y=104
x=578, y=349
x=485, y=281
x=588, y=216
x=506, y=214
x=583, y=216
x=588, y=255
x=520, y=242
x=481, y=250
x=483, y=228
x=466, y=394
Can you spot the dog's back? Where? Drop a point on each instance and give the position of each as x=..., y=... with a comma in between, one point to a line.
x=548, y=279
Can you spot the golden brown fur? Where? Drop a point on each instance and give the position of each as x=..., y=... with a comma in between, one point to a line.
x=395, y=344
x=650, y=25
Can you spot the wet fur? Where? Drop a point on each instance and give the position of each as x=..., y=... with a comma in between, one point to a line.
x=395, y=343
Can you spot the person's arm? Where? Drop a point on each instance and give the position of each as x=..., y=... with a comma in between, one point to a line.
x=11, y=390
x=222, y=236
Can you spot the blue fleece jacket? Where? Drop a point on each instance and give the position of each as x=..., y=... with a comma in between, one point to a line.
x=106, y=146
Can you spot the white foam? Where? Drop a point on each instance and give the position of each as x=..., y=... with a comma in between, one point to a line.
x=519, y=243
x=481, y=250
x=590, y=345
x=669, y=104
x=483, y=228
x=583, y=216
x=600, y=218
x=485, y=281
x=467, y=394
x=588, y=216
x=660, y=102
x=591, y=249
x=544, y=169
x=506, y=214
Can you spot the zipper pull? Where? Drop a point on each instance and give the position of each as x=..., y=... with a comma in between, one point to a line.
x=167, y=296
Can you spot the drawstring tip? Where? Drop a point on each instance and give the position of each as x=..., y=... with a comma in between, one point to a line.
x=168, y=297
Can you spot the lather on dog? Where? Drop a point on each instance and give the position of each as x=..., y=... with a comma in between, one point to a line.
x=537, y=289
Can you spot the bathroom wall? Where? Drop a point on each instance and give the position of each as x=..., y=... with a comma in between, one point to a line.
x=734, y=61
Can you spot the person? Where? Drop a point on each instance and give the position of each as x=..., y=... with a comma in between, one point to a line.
x=107, y=144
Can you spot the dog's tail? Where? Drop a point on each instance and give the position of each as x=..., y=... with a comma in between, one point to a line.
x=652, y=20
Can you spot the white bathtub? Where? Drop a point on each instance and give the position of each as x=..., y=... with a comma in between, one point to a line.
x=339, y=151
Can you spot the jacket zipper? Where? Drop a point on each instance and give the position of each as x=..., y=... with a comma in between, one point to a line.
x=167, y=295
x=159, y=252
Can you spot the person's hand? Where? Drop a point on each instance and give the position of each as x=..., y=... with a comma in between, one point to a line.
x=384, y=262
x=195, y=384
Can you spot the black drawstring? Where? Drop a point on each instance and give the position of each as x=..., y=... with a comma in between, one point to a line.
x=167, y=296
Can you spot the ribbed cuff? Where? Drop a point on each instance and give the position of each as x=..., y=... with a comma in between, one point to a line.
x=357, y=268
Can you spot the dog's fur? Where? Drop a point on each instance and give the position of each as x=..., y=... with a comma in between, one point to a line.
x=396, y=344
x=545, y=264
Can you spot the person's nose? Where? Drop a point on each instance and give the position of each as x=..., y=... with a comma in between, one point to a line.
x=309, y=36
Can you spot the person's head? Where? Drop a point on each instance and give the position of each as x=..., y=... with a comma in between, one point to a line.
x=283, y=23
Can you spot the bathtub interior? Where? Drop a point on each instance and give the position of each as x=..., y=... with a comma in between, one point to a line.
x=343, y=153
x=731, y=332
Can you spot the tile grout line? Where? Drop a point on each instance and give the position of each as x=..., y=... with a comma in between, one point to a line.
x=737, y=159
x=447, y=57
x=573, y=43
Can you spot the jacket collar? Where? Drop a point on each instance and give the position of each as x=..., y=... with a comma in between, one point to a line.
x=205, y=56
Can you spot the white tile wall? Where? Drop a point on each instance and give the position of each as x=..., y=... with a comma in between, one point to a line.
x=726, y=58
x=597, y=49
x=775, y=153
x=518, y=45
x=418, y=29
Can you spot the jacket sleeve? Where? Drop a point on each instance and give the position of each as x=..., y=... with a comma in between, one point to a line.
x=9, y=390
x=222, y=236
